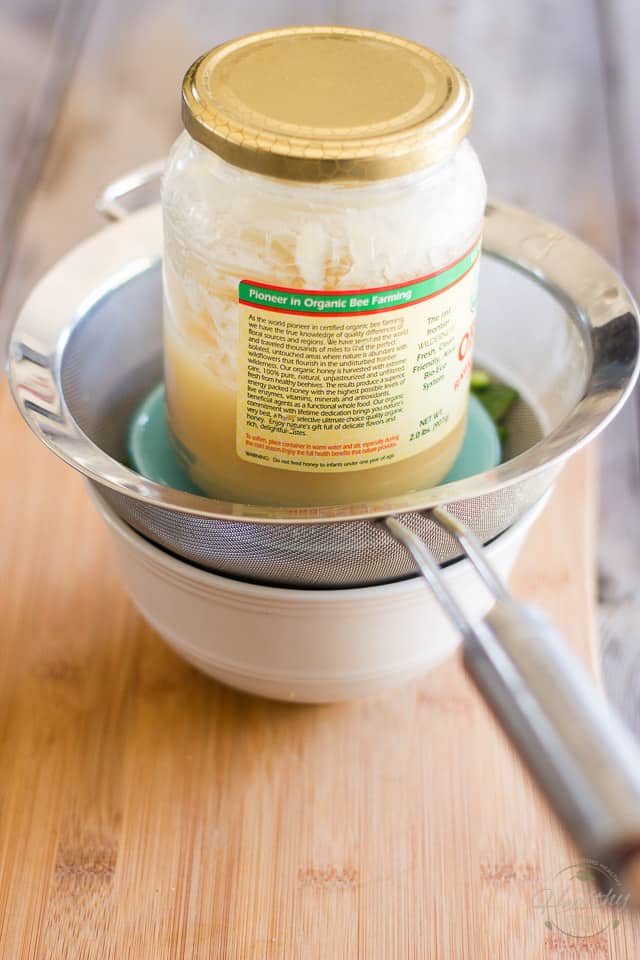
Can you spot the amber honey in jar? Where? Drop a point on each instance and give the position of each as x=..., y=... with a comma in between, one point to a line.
x=322, y=217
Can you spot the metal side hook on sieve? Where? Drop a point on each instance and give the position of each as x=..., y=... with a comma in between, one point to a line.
x=110, y=204
x=580, y=753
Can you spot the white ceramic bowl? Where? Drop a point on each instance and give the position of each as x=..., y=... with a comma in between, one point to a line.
x=311, y=646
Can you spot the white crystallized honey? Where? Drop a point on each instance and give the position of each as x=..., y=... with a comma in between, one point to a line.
x=322, y=217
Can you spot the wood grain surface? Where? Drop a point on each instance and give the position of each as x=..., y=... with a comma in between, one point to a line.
x=146, y=812
x=619, y=547
x=149, y=813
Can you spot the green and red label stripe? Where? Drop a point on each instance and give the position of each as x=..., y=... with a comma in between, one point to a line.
x=335, y=303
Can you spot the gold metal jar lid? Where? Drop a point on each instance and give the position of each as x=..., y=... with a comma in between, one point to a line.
x=326, y=103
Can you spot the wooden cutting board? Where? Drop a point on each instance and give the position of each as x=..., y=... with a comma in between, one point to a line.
x=147, y=812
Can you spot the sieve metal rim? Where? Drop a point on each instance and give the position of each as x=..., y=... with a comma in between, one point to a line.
x=602, y=307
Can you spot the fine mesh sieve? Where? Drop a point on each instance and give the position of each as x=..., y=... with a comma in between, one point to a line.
x=554, y=320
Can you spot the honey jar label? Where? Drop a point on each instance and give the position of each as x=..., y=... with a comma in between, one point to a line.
x=352, y=379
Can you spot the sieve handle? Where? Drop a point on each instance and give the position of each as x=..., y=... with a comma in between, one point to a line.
x=109, y=201
x=580, y=753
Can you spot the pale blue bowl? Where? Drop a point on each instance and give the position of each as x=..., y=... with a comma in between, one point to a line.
x=151, y=452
